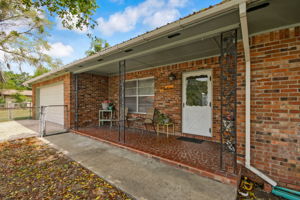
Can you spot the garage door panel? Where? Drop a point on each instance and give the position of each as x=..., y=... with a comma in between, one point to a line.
x=53, y=95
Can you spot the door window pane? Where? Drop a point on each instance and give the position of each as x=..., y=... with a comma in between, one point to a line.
x=196, y=90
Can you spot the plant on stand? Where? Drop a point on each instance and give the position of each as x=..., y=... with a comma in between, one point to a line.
x=163, y=118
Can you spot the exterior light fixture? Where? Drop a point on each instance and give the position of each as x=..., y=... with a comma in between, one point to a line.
x=99, y=60
x=80, y=66
x=172, y=77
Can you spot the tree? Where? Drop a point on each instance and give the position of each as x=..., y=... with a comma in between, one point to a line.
x=19, y=98
x=97, y=44
x=14, y=80
x=2, y=100
x=39, y=71
x=24, y=26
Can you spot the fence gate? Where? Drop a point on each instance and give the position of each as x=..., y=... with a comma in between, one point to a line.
x=228, y=64
x=53, y=120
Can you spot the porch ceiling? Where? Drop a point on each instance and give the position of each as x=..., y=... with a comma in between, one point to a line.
x=195, y=41
x=185, y=52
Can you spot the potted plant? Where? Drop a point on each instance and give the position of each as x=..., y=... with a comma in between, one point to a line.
x=163, y=119
x=105, y=104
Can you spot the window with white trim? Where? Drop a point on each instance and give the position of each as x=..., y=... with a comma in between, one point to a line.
x=139, y=95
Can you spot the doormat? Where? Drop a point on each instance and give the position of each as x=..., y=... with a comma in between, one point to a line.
x=187, y=139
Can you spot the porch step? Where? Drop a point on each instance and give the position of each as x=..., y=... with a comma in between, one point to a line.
x=219, y=176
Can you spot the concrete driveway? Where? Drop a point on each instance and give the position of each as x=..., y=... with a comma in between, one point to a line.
x=18, y=129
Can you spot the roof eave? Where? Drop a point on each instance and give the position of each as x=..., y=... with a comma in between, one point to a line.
x=214, y=11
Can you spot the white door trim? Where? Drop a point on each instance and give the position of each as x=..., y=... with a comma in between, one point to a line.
x=202, y=71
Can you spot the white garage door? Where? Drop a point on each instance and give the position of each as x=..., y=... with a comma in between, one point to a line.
x=53, y=95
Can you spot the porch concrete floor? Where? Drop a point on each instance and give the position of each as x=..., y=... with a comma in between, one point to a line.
x=204, y=156
x=142, y=177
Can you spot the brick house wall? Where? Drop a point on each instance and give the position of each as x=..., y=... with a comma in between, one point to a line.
x=275, y=105
x=92, y=90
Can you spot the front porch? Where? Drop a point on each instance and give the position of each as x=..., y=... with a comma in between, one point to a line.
x=198, y=92
x=198, y=156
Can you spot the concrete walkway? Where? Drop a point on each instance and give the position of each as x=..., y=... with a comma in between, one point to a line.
x=144, y=178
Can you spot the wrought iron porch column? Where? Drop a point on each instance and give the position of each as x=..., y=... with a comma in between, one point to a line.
x=122, y=74
x=228, y=81
x=76, y=101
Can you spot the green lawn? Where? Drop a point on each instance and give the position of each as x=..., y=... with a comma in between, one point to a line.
x=16, y=114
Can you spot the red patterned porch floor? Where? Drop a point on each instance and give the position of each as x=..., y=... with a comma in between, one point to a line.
x=204, y=156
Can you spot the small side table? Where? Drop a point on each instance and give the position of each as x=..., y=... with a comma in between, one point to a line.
x=165, y=128
x=103, y=119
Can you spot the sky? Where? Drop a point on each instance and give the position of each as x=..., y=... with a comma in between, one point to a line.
x=118, y=21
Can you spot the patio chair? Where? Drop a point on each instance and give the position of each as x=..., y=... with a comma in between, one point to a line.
x=149, y=119
x=127, y=118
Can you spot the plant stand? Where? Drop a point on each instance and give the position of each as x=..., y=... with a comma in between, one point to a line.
x=105, y=116
x=165, y=128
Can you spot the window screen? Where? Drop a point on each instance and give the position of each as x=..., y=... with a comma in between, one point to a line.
x=139, y=95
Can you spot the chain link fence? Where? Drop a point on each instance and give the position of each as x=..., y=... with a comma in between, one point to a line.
x=16, y=113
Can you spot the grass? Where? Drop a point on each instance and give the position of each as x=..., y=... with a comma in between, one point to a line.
x=30, y=169
x=16, y=114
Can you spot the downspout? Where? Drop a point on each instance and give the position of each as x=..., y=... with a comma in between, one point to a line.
x=245, y=37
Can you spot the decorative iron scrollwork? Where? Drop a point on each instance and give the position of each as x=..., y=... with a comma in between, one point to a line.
x=122, y=74
x=228, y=76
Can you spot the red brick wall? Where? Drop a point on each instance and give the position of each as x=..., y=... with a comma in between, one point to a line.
x=275, y=105
x=66, y=79
x=92, y=90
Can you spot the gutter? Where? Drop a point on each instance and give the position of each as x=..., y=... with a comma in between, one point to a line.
x=164, y=30
x=245, y=37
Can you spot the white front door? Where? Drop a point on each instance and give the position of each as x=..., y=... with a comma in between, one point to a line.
x=197, y=105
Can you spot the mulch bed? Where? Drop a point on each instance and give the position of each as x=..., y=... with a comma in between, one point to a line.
x=30, y=169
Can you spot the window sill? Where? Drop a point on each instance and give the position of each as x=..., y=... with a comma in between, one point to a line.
x=139, y=113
